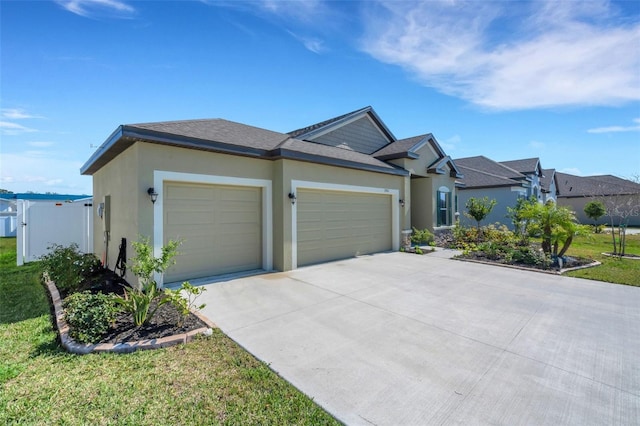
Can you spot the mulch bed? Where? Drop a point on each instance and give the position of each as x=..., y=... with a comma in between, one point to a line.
x=571, y=262
x=163, y=324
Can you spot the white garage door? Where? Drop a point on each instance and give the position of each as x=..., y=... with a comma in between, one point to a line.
x=336, y=225
x=220, y=227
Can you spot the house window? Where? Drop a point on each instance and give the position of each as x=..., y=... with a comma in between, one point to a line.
x=443, y=206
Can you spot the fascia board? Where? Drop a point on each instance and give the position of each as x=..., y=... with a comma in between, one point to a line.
x=106, y=145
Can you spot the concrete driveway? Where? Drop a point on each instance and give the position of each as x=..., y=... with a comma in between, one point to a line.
x=401, y=339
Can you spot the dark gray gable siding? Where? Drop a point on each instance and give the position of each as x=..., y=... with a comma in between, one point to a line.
x=360, y=136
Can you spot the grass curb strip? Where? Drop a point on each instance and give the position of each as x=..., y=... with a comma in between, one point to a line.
x=126, y=347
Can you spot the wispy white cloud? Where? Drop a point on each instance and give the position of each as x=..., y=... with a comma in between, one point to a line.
x=509, y=56
x=40, y=144
x=617, y=129
x=17, y=114
x=312, y=44
x=93, y=8
x=9, y=128
x=309, y=16
x=572, y=171
x=32, y=171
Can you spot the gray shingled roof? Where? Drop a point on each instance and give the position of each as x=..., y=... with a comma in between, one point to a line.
x=314, y=150
x=474, y=178
x=483, y=164
x=308, y=129
x=218, y=130
x=589, y=186
x=547, y=177
x=400, y=147
x=527, y=165
x=233, y=138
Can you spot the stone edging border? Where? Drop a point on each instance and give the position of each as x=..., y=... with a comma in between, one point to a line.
x=621, y=257
x=522, y=268
x=126, y=347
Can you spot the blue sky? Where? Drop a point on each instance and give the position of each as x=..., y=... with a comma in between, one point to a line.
x=504, y=79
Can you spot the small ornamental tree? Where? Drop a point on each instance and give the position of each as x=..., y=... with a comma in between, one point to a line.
x=595, y=210
x=478, y=209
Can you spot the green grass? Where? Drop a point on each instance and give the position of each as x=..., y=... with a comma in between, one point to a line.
x=614, y=270
x=209, y=381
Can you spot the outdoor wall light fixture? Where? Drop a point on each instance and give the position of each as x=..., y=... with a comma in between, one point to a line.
x=401, y=201
x=292, y=197
x=152, y=194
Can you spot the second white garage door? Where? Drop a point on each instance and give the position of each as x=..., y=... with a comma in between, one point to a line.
x=336, y=224
x=220, y=227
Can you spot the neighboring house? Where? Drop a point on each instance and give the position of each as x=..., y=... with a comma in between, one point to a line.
x=484, y=177
x=9, y=208
x=548, y=185
x=576, y=191
x=243, y=198
x=531, y=169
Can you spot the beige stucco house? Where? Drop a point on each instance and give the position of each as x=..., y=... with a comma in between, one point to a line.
x=243, y=198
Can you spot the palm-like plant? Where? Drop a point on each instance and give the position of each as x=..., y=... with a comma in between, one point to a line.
x=556, y=225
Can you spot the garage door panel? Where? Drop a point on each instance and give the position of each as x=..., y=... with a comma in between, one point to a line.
x=334, y=225
x=220, y=227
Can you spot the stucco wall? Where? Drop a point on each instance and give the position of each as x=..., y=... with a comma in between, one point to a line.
x=504, y=197
x=577, y=205
x=127, y=178
x=119, y=180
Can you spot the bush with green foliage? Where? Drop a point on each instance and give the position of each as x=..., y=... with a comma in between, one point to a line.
x=422, y=236
x=68, y=267
x=89, y=315
x=184, y=299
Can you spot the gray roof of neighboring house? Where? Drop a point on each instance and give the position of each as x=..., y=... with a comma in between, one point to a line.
x=487, y=173
x=474, y=178
x=224, y=136
x=590, y=186
x=548, y=175
x=527, y=165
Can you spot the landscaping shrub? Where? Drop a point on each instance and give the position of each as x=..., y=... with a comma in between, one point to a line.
x=144, y=301
x=530, y=256
x=184, y=305
x=422, y=236
x=89, y=315
x=68, y=267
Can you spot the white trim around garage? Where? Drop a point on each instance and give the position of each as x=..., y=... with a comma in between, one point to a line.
x=160, y=176
x=395, y=210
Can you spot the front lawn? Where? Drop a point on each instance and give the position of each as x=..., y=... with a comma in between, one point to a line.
x=209, y=381
x=613, y=269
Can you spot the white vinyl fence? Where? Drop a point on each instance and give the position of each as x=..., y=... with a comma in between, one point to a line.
x=43, y=223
